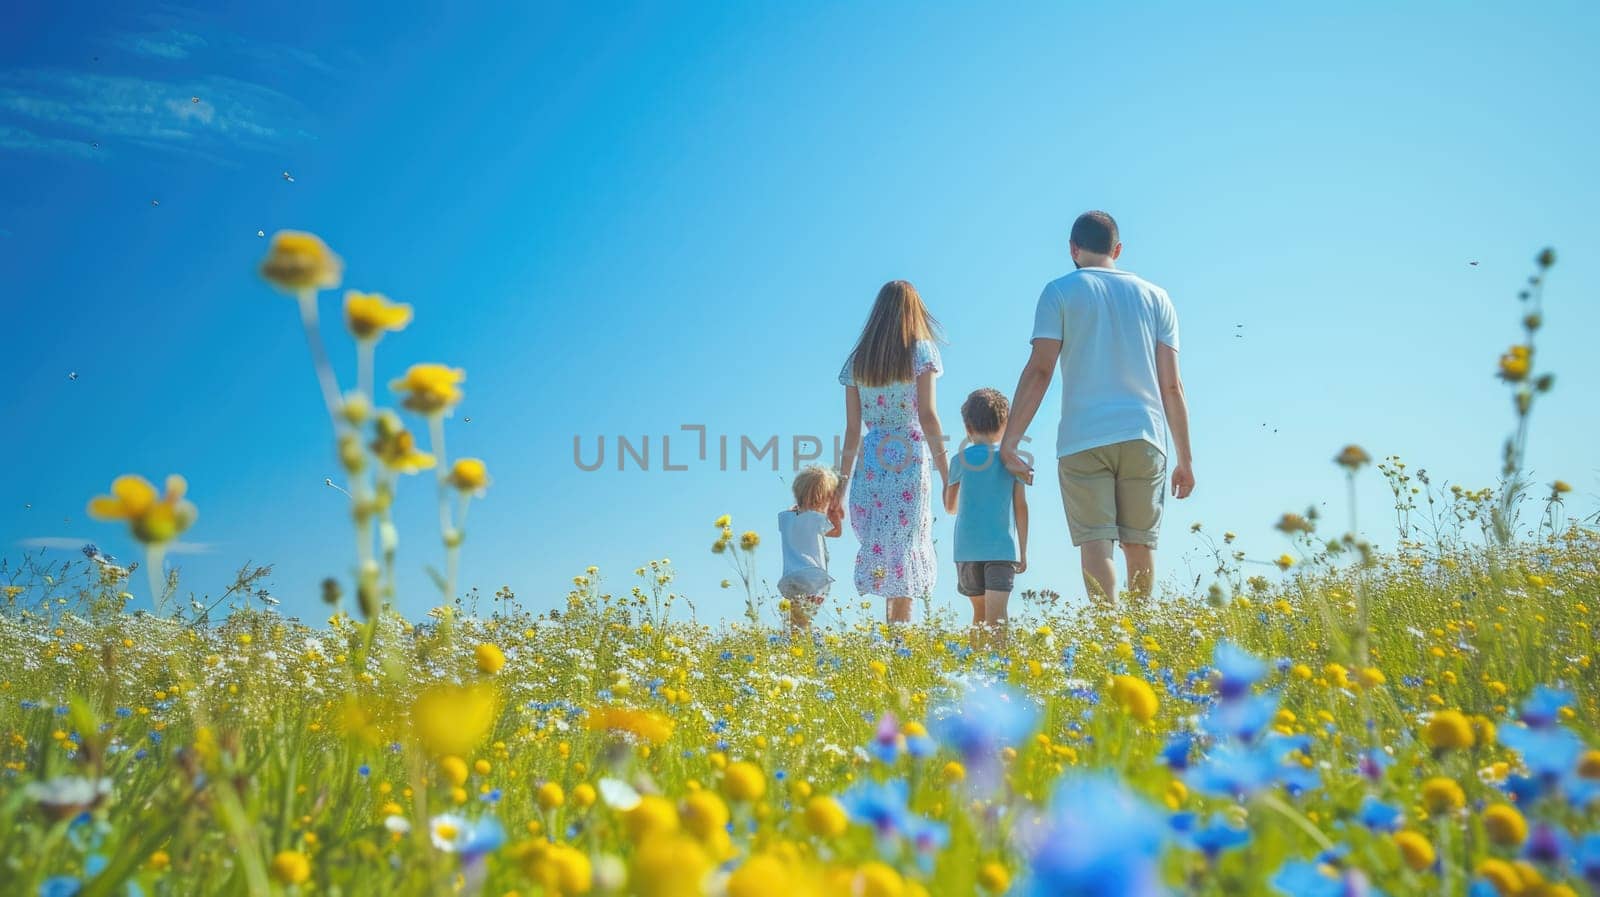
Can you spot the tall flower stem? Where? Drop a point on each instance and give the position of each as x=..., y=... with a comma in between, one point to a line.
x=452, y=539
x=365, y=351
x=319, y=355
x=155, y=555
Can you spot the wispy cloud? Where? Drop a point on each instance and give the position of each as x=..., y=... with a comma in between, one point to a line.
x=65, y=111
x=27, y=141
x=68, y=543
x=168, y=44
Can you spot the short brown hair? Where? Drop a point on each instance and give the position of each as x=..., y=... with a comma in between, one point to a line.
x=814, y=486
x=985, y=411
x=1095, y=231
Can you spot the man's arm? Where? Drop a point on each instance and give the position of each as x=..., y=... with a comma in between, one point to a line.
x=1032, y=386
x=1177, y=409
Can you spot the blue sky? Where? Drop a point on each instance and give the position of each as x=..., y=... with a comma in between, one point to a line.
x=625, y=220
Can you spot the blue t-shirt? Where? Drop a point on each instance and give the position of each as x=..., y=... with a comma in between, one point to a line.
x=986, y=530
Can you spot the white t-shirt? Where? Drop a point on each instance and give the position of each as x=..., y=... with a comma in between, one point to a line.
x=805, y=547
x=1109, y=323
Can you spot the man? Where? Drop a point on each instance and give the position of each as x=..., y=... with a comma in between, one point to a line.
x=1116, y=338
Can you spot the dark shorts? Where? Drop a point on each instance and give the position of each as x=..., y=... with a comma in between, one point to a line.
x=973, y=578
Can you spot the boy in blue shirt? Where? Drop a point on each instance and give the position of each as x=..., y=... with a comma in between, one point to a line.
x=991, y=511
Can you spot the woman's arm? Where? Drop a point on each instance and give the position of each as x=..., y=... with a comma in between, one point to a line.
x=928, y=414
x=852, y=447
x=1019, y=507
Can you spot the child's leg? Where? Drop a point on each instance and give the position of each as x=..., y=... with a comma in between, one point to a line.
x=994, y=607
x=801, y=610
x=978, y=613
x=899, y=609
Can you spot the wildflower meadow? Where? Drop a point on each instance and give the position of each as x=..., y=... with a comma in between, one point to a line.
x=1421, y=720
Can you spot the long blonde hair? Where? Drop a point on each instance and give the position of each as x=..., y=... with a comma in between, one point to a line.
x=886, y=351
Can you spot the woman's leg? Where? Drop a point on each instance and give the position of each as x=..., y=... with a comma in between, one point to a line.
x=900, y=609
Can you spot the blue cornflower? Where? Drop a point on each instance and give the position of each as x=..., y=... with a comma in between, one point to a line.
x=989, y=717
x=1100, y=840
x=1379, y=816
x=885, y=743
x=364, y=770
x=1216, y=836
x=1548, y=751
x=1587, y=858
x=60, y=886
x=1176, y=752
x=1237, y=670
x=878, y=805
x=1242, y=718
x=1239, y=771
x=1544, y=706
x=1298, y=878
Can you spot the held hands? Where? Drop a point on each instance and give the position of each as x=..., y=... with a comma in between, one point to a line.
x=836, y=511
x=1019, y=464
x=1182, y=480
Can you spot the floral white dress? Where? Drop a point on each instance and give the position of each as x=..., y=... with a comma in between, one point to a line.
x=889, y=488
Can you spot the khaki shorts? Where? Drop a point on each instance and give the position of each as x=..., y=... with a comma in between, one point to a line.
x=1114, y=492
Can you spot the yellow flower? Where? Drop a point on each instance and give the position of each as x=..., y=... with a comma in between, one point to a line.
x=1441, y=795
x=878, y=880
x=744, y=781
x=370, y=315
x=670, y=866
x=723, y=522
x=453, y=719
x=430, y=388
x=583, y=795
x=703, y=813
x=1448, y=730
x=1560, y=487
x=993, y=877
x=953, y=771
x=152, y=519
x=159, y=860
x=1484, y=731
x=1352, y=458
x=1415, y=850
x=490, y=658
x=551, y=796
x=397, y=448
x=642, y=724
x=749, y=540
x=299, y=261
x=560, y=869
x=1135, y=696
x=454, y=770
x=291, y=867
x=652, y=815
x=764, y=875
x=1284, y=561
x=825, y=817
x=1515, y=364
x=1504, y=825
x=1505, y=878
x=469, y=475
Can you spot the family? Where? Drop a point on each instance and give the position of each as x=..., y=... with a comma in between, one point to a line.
x=1114, y=336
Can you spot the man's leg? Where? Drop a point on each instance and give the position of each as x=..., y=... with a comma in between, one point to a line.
x=1141, y=493
x=1099, y=573
x=1089, y=494
x=1141, y=561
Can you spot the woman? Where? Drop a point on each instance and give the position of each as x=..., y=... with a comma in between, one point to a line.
x=888, y=383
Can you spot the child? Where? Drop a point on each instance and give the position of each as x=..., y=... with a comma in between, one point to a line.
x=991, y=511
x=803, y=530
